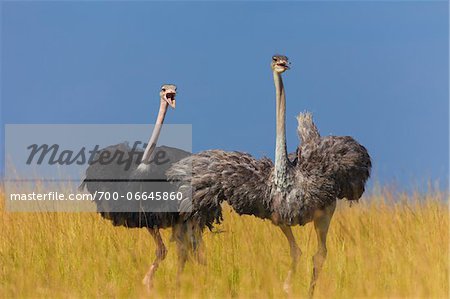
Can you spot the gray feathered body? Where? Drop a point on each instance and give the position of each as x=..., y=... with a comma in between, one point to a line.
x=217, y=175
x=325, y=169
x=114, y=177
x=340, y=158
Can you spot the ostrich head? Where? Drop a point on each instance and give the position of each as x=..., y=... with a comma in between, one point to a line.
x=168, y=93
x=280, y=63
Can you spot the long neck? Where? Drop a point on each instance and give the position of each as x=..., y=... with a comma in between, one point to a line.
x=151, y=145
x=281, y=157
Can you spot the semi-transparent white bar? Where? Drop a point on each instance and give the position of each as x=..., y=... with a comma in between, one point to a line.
x=45, y=168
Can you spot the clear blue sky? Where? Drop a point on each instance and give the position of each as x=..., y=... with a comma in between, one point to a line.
x=375, y=70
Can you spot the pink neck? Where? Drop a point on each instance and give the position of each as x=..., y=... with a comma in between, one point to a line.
x=151, y=145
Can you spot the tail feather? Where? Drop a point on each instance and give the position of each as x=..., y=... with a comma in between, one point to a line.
x=341, y=157
x=354, y=172
x=350, y=163
x=306, y=129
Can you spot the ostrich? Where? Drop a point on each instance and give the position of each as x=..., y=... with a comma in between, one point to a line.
x=113, y=177
x=287, y=193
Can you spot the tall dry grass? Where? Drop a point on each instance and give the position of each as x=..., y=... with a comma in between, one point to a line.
x=385, y=247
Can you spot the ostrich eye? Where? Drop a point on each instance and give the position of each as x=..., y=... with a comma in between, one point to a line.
x=274, y=58
x=163, y=90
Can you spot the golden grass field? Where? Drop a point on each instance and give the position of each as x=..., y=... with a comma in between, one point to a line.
x=383, y=247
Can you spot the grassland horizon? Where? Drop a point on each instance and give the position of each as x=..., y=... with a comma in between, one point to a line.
x=389, y=245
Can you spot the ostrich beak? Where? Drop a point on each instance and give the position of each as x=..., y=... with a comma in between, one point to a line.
x=170, y=98
x=285, y=65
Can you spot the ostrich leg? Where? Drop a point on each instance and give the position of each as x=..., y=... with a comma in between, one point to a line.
x=161, y=253
x=181, y=235
x=321, y=225
x=295, y=255
x=182, y=252
x=198, y=246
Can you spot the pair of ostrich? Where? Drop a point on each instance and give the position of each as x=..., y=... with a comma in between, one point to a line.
x=298, y=188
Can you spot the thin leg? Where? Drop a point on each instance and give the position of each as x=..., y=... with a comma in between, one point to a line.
x=181, y=237
x=321, y=225
x=182, y=251
x=160, y=253
x=295, y=256
x=200, y=254
x=198, y=246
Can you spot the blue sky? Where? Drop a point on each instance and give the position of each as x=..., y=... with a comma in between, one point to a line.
x=377, y=71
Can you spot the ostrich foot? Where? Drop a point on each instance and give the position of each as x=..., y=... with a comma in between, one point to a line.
x=287, y=287
x=148, y=279
x=145, y=280
x=147, y=283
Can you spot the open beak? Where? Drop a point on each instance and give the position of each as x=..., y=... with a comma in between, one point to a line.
x=285, y=65
x=170, y=98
